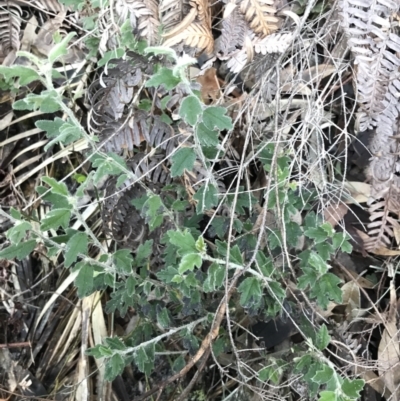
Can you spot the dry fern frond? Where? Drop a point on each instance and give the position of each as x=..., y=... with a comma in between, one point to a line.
x=260, y=16
x=196, y=36
x=376, y=47
x=10, y=23
x=382, y=226
x=275, y=43
x=368, y=27
x=143, y=15
x=184, y=24
x=203, y=12
x=234, y=28
x=172, y=12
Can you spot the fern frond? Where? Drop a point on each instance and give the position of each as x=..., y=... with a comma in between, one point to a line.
x=149, y=24
x=172, y=12
x=183, y=25
x=10, y=23
x=260, y=16
x=203, y=12
x=237, y=61
x=275, y=43
x=143, y=15
x=367, y=25
x=233, y=30
x=196, y=36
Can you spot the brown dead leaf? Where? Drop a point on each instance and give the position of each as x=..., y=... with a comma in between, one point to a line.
x=359, y=191
x=335, y=212
x=210, y=89
x=362, y=282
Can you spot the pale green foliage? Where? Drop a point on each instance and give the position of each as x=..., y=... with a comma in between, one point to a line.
x=193, y=270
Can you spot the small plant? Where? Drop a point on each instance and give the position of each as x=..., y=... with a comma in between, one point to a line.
x=204, y=277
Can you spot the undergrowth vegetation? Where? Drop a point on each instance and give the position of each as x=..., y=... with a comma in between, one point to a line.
x=186, y=215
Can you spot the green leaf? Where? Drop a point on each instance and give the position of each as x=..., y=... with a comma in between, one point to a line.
x=215, y=278
x=26, y=75
x=325, y=250
x=205, y=136
x=57, y=187
x=317, y=262
x=341, y=240
x=303, y=363
x=105, y=351
x=272, y=373
x=15, y=214
x=182, y=160
x=251, y=292
x=58, y=201
x=153, y=210
x=74, y=4
x=47, y=102
x=110, y=55
x=189, y=261
x=144, y=359
x=324, y=375
x=19, y=251
x=123, y=261
x=206, y=197
x=131, y=284
x=95, y=352
x=214, y=118
x=276, y=289
x=60, y=49
x=179, y=364
x=166, y=51
x=327, y=396
x=265, y=264
x=327, y=227
x=235, y=255
x=165, y=77
x=326, y=288
x=190, y=110
x=115, y=343
x=17, y=233
x=201, y=245
x=323, y=338
x=112, y=164
x=184, y=241
x=352, y=388
x=78, y=243
x=68, y=133
x=52, y=128
x=167, y=274
x=56, y=218
x=317, y=234
x=84, y=280
x=144, y=251
x=114, y=367
x=163, y=318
